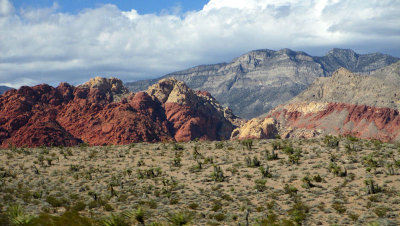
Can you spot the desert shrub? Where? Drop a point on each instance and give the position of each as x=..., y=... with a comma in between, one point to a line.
x=307, y=182
x=270, y=220
x=331, y=141
x=339, y=207
x=298, y=212
x=381, y=211
x=370, y=163
x=260, y=185
x=193, y=205
x=217, y=175
x=217, y=205
x=180, y=218
x=16, y=216
x=148, y=173
x=79, y=206
x=108, y=207
x=352, y=138
x=219, y=216
x=138, y=215
x=337, y=170
x=372, y=188
x=265, y=172
x=317, y=178
x=271, y=156
x=219, y=145
x=290, y=190
x=252, y=162
x=353, y=216
x=116, y=220
x=67, y=219
x=248, y=143
x=54, y=202
x=177, y=147
x=37, y=194
x=276, y=145
x=152, y=204
x=295, y=157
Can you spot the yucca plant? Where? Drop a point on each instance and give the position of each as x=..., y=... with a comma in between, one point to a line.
x=180, y=218
x=138, y=215
x=17, y=216
x=116, y=220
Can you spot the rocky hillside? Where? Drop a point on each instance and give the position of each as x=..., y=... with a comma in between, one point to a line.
x=378, y=90
x=260, y=80
x=344, y=104
x=3, y=89
x=102, y=112
x=192, y=114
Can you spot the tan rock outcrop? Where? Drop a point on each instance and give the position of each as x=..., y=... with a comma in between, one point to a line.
x=257, y=128
x=193, y=114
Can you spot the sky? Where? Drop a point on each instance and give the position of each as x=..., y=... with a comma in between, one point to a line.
x=47, y=41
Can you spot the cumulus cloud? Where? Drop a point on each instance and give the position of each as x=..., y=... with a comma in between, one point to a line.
x=46, y=46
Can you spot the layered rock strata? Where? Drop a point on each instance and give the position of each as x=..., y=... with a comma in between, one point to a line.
x=103, y=112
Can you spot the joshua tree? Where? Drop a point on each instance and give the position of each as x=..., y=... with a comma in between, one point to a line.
x=265, y=171
x=372, y=188
x=217, y=174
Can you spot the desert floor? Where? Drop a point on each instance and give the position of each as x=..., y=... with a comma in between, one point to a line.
x=330, y=181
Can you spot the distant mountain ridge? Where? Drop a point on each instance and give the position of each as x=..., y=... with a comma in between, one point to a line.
x=344, y=104
x=380, y=89
x=260, y=80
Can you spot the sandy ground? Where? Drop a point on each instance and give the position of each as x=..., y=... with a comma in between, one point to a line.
x=163, y=179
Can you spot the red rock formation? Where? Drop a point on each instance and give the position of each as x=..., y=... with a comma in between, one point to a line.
x=68, y=115
x=135, y=119
x=28, y=118
x=193, y=114
x=344, y=104
x=343, y=119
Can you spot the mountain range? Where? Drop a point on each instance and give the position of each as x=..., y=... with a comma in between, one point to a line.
x=260, y=80
x=343, y=104
x=104, y=111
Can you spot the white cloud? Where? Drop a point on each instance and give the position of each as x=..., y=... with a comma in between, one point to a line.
x=6, y=8
x=43, y=45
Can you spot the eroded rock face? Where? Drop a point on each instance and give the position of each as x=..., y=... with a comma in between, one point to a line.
x=257, y=128
x=193, y=114
x=256, y=82
x=134, y=119
x=344, y=104
x=68, y=115
x=342, y=119
x=29, y=117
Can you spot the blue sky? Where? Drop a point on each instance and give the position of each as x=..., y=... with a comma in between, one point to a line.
x=73, y=41
x=142, y=6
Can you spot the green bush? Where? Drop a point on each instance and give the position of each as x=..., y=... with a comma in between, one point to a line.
x=298, y=213
x=79, y=206
x=67, y=219
x=180, y=218
x=54, y=202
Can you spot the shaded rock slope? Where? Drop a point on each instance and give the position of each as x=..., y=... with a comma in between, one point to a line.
x=102, y=112
x=344, y=104
x=260, y=80
x=3, y=89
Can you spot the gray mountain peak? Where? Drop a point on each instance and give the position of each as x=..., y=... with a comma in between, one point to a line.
x=255, y=82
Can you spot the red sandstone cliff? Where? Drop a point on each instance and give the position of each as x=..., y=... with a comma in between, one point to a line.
x=102, y=112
